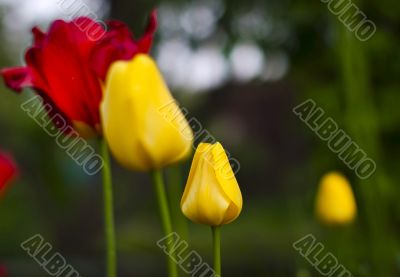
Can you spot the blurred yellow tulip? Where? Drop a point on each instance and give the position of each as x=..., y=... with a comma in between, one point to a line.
x=335, y=203
x=139, y=133
x=212, y=195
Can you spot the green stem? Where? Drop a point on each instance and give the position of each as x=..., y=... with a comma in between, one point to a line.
x=175, y=184
x=216, y=233
x=364, y=127
x=109, y=213
x=165, y=217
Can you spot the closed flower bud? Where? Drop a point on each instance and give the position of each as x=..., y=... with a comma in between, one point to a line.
x=335, y=204
x=212, y=195
x=144, y=127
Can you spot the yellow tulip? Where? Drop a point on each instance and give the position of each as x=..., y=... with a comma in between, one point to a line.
x=140, y=132
x=212, y=195
x=335, y=203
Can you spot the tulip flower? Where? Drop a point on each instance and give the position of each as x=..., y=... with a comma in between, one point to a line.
x=66, y=67
x=63, y=65
x=8, y=171
x=212, y=195
x=118, y=44
x=3, y=272
x=140, y=135
x=335, y=203
x=143, y=126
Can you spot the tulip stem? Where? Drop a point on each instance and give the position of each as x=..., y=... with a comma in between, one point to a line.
x=175, y=191
x=165, y=217
x=216, y=233
x=109, y=213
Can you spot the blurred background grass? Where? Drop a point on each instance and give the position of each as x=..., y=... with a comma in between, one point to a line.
x=239, y=67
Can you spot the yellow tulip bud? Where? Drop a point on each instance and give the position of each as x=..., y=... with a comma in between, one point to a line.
x=212, y=195
x=140, y=132
x=335, y=203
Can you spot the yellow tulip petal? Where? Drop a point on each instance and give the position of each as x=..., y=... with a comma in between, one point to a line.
x=137, y=131
x=208, y=197
x=335, y=203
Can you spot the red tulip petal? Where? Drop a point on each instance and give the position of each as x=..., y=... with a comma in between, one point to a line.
x=58, y=69
x=38, y=36
x=8, y=170
x=119, y=44
x=73, y=87
x=63, y=64
x=3, y=272
x=17, y=78
x=145, y=43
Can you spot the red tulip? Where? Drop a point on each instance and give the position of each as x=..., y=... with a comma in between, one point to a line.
x=8, y=171
x=3, y=272
x=119, y=44
x=65, y=66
